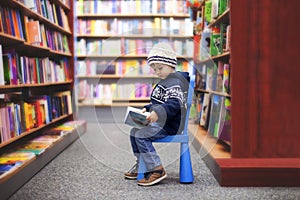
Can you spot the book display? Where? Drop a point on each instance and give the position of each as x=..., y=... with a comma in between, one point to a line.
x=36, y=86
x=113, y=41
x=246, y=107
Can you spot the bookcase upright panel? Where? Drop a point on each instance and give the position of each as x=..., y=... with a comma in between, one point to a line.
x=263, y=150
x=36, y=87
x=265, y=79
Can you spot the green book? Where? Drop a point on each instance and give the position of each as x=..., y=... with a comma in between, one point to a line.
x=207, y=11
x=222, y=6
x=6, y=69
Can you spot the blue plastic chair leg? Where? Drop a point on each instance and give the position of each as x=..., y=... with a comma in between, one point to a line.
x=186, y=170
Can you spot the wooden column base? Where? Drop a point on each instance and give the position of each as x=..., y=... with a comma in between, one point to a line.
x=240, y=172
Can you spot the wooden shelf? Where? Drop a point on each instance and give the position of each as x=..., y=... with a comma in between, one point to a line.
x=224, y=18
x=10, y=40
x=32, y=131
x=212, y=92
x=224, y=56
x=120, y=15
x=37, y=16
x=114, y=104
x=135, y=36
x=210, y=145
x=113, y=76
x=21, y=87
x=237, y=172
x=10, y=185
x=144, y=56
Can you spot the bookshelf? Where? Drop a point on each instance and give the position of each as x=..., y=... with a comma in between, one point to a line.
x=263, y=148
x=112, y=59
x=36, y=86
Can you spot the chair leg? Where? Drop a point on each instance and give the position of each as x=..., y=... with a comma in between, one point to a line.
x=186, y=170
x=141, y=169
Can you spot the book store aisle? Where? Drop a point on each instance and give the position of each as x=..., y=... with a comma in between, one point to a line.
x=93, y=166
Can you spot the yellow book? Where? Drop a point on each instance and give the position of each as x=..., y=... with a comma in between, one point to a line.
x=157, y=26
x=138, y=7
x=93, y=26
x=131, y=68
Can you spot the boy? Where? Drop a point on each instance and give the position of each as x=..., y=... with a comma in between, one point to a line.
x=167, y=113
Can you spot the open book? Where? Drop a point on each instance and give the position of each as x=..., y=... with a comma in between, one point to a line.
x=134, y=117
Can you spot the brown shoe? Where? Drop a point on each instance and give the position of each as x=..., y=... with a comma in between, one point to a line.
x=132, y=173
x=153, y=177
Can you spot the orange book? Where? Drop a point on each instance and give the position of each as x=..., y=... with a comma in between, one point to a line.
x=15, y=23
x=33, y=28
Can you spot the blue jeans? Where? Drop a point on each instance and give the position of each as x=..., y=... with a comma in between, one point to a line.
x=141, y=143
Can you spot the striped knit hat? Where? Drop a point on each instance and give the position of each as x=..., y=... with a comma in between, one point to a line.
x=162, y=53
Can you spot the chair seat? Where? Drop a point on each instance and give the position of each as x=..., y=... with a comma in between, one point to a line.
x=174, y=138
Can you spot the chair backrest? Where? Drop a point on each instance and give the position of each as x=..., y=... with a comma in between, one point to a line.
x=189, y=103
x=184, y=137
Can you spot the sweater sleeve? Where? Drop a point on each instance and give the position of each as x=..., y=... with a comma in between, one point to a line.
x=148, y=106
x=167, y=110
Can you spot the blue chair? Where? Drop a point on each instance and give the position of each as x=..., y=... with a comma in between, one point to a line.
x=186, y=171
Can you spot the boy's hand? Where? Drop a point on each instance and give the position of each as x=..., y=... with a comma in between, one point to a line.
x=152, y=117
x=143, y=110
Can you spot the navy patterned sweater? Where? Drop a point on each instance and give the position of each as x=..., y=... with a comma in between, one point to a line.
x=168, y=100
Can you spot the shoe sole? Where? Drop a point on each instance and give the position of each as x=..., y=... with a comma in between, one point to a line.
x=154, y=182
x=130, y=177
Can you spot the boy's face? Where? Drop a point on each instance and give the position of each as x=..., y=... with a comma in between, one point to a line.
x=162, y=70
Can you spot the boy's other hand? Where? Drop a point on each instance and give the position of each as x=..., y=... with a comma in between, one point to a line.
x=153, y=117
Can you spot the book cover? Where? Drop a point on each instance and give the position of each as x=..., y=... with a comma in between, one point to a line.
x=34, y=147
x=213, y=128
x=16, y=157
x=47, y=138
x=6, y=169
x=224, y=132
x=2, y=80
x=9, y=162
x=134, y=117
x=205, y=109
x=33, y=28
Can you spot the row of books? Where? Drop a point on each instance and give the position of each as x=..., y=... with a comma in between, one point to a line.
x=122, y=46
x=213, y=41
x=51, y=11
x=144, y=26
x=106, y=93
x=129, y=67
x=22, y=154
x=10, y=22
x=131, y=7
x=214, y=77
x=215, y=8
x=32, y=31
x=215, y=115
x=16, y=69
x=21, y=115
x=38, y=34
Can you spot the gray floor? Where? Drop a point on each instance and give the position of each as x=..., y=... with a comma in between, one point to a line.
x=93, y=166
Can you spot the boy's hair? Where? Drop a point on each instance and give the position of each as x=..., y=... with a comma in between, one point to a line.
x=162, y=53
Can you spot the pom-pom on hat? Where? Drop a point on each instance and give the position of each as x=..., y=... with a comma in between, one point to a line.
x=162, y=53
